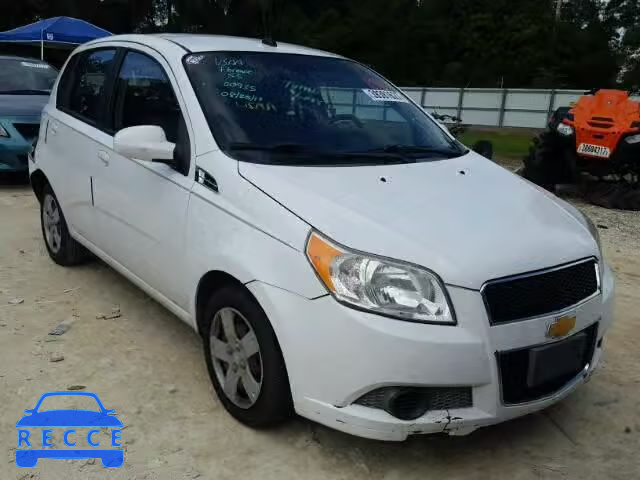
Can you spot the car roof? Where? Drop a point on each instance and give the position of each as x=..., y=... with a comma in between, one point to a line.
x=205, y=43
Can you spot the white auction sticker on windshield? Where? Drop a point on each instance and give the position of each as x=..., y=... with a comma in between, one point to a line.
x=194, y=59
x=34, y=65
x=384, y=95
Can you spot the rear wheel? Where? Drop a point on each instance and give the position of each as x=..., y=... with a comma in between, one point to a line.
x=546, y=164
x=62, y=248
x=244, y=359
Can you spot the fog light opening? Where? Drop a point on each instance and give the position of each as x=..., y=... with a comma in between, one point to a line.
x=406, y=403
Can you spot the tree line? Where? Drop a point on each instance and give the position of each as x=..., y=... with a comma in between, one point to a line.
x=469, y=43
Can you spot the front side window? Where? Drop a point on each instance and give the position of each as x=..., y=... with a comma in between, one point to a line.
x=86, y=97
x=26, y=77
x=144, y=96
x=273, y=107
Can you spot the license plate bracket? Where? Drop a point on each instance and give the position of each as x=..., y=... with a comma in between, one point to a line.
x=550, y=362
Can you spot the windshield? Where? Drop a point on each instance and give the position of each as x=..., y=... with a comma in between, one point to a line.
x=299, y=109
x=24, y=77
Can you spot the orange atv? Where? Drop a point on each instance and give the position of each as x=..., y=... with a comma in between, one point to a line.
x=598, y=136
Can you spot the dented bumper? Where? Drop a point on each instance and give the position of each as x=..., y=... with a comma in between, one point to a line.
x=334, y=355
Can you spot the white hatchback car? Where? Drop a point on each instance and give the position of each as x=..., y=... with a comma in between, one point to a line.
x=341, y=254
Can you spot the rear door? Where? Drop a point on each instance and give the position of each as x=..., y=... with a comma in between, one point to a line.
x=141, y=206
x=76, y=134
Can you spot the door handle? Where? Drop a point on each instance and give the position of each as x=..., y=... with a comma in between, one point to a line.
x=53, y=128
x=104, y=156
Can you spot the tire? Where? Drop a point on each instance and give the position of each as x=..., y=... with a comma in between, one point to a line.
x=545, y=165
x=62, y=248
x=233, y=312
x=619, y=195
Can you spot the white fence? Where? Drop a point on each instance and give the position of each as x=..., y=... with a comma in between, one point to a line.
x=495, y=107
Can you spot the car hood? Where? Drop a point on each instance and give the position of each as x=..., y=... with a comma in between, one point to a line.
x=467, y=219
x=69, y=418
x=22, y=105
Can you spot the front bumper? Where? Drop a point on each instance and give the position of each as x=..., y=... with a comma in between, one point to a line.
x=335, y=354
x=14, y=158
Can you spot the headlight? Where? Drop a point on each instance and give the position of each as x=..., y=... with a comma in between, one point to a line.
x=379, y=285
x=633, y=139
x=596, y=236
x=564, y=129
x=3, y=132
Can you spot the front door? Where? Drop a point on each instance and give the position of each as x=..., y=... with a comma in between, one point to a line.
x=141, y=207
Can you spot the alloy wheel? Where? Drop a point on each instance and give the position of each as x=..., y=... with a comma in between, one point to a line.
x=236, y=358
x=51, y=220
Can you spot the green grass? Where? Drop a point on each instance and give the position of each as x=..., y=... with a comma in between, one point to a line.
x=507, y=144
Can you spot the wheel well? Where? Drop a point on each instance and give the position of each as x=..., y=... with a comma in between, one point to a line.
x=38, y=182
x=209, y=283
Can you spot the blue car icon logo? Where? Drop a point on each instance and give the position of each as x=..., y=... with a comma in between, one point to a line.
x=40, y=444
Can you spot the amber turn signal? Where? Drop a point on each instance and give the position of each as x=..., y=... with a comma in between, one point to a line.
x=321, y=254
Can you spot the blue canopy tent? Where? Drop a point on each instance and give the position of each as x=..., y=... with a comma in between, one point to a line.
x=60, y=32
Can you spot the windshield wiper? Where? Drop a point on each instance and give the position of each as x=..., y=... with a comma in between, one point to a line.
x=25, y=92
x=277, y=148
x=310, y=151
x=409, y=149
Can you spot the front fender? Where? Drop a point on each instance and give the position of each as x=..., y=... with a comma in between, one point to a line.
x=246, y=234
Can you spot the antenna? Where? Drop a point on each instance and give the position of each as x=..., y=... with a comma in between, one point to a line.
x=267, y=22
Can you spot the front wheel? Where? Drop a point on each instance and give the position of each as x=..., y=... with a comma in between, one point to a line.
x=62, y=248
x=244, y=359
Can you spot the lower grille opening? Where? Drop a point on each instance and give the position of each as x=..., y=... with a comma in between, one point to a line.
x=409, y=403
x=535, y=372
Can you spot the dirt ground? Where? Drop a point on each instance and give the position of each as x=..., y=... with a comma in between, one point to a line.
x=148, y=366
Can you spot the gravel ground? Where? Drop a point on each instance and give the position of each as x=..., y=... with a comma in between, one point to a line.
x=147, y=365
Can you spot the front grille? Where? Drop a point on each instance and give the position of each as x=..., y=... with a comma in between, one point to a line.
x=437, y=398
x=28, y=130
x=540, y=293
x=514, y=372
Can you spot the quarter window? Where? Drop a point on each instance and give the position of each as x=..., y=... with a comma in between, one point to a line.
x=90, y=81
x=144, y=96
x=62, y=98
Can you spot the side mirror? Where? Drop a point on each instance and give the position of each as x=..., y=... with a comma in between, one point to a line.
x=29, y=410
x=145, y=142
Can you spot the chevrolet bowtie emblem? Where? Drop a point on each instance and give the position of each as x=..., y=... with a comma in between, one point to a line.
x=561, y=326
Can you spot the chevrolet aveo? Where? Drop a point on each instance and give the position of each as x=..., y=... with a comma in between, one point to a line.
x=340, y=253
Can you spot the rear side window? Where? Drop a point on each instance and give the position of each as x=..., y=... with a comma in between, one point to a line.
x=144, y=96
x=62, y=97
x=86, y=95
